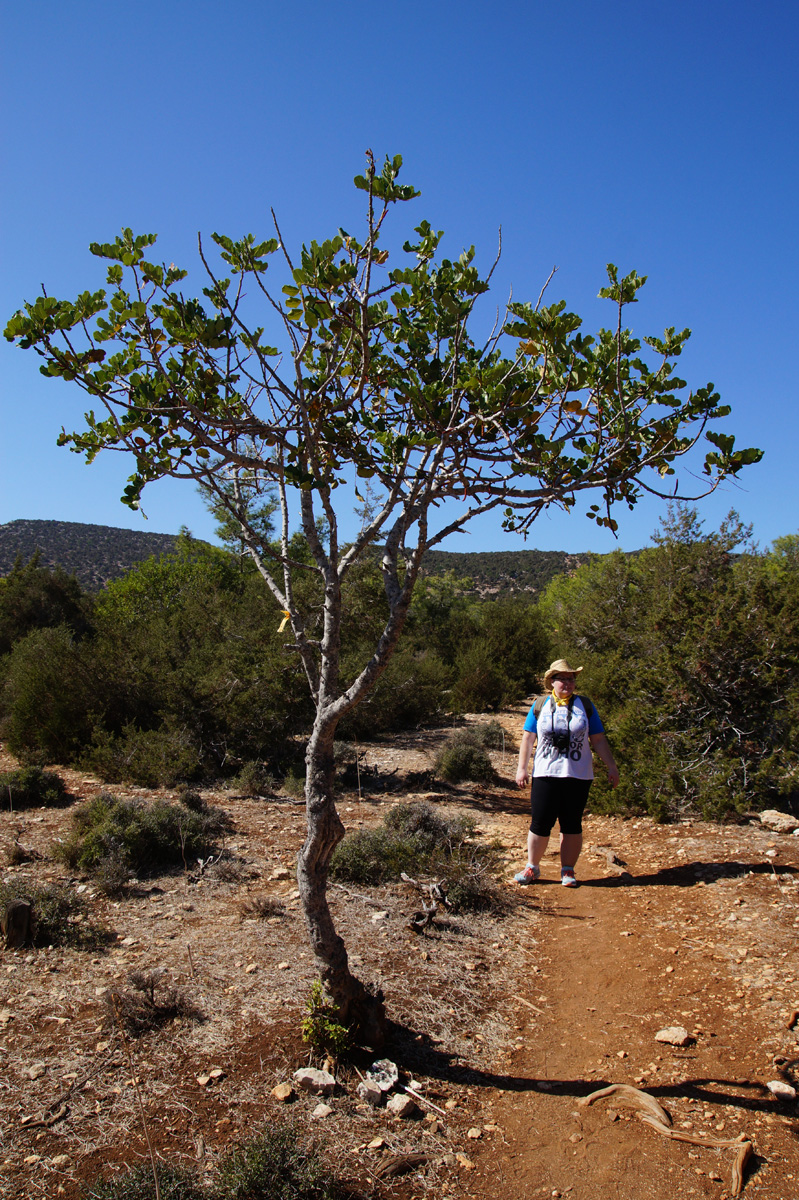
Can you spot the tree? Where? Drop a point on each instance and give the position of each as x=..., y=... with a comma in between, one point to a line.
x=377, y=378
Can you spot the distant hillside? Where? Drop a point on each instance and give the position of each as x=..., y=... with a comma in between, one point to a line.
x=95, y=554
x=504, y=572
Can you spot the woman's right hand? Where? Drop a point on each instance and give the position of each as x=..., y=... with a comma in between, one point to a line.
x=522, y=777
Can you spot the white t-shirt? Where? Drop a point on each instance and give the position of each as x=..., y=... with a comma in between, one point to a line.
x=576, y=762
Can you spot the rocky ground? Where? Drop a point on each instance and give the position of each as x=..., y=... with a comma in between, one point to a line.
x=501, y=1024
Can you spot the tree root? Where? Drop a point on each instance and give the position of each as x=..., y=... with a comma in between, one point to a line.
x=651, y=1113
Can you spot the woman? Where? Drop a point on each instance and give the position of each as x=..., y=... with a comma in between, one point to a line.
x=563, y=729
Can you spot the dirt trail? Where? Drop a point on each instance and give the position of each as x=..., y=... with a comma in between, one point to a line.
x=701, y=932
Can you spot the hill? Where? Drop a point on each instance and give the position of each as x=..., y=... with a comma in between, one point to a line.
x=504, y=572
x=95, y=554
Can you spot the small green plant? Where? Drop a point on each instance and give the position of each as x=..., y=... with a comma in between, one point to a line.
x=31, y=786
x=112, y=838
x=174, y=1183
x=59, y=916
x=278, y=1164
x=464, y=758
x=321, y=1029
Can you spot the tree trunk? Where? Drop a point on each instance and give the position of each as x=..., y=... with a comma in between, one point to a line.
x=361, y=1010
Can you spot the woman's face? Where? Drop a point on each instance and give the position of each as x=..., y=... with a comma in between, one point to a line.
x=563, y=685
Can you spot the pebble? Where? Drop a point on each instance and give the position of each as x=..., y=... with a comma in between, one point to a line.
x=784, y=1090
x=322, y=1110
x=402, y=1106
x=283, y=1092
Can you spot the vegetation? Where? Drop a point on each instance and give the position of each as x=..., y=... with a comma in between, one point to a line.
x=464, y=758
x=174, y=1183
x=116, y=839
x=29, y=787
x=149, y=1003
x=321, y=1028
x=417, y=840
x=690, y=653
x=59, y=916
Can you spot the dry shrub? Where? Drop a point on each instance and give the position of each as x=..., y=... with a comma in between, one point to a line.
x=139, y=1009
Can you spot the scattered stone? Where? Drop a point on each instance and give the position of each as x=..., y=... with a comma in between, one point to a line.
x=36, y=1070
x=60, y=1160
x=784, y=1090
x=251, y=969
x=779, y=822
x=369, y=1091
x=674, y=1035
x=465, y=1162
x=280, y=873
x=377, y=1143
x=322, y=1110
x=402, y=1106
x=575, y=1138
x=321, y=1083
x=379, y=916
x=283, y=966
x=216, y=1073
x=450, y=1104
x=283, y=1092
x=474, y=1133
x=384, y=1073
x=612, y=1114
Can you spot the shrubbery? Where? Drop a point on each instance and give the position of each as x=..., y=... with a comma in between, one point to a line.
x=464, y=758
x=59, y=918
x=31, y=786
x=115, y=839
x=418, y=840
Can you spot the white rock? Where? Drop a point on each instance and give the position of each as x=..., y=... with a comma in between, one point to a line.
x=384, y=1073
x=371, y=1092
x=780, y=822
x=674, y=1035
x=322, y=1110
x=379, y=916
x=402, y=1106
x=784, y=1090
x=309, y=1079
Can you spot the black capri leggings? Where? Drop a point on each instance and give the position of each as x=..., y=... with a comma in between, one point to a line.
x=561, y=800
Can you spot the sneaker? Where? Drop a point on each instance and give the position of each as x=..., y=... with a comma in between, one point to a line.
x=528, y=875
x=567, y=877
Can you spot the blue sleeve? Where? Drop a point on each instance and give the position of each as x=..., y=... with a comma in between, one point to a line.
x=531, y=724
x=594, y=723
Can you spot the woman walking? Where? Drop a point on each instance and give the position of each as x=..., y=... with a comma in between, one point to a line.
x=563, y=729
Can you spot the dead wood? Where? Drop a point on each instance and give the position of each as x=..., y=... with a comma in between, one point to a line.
x=651, y=1113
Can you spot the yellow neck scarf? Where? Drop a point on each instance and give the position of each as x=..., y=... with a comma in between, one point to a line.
x=563, y=703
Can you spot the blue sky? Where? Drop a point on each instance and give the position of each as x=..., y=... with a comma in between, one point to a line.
x=657, y=136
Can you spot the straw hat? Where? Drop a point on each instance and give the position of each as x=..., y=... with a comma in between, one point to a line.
x=559, y=667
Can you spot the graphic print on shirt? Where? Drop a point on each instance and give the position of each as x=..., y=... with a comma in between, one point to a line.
x=562, y=739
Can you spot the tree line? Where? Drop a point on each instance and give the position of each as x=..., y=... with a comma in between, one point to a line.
x=180, y=670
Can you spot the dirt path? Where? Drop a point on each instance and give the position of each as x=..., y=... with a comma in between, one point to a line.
x=702, y=932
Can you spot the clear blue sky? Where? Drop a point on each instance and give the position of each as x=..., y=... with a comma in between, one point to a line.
x=657, y=136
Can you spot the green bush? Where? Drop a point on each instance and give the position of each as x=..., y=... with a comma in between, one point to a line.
x=254, y=779
x=149, y=757
x=47, y=694
x=31, y=786
x=174, y=1183
x=279, y=1164
x=60, y=917
x=140, y=838
x=464, y=758
x=149, y=1003
x=415, y=839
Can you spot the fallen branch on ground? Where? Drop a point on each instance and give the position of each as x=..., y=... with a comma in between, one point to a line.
x=651, y=1113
